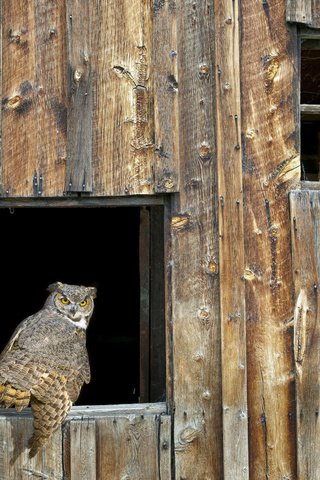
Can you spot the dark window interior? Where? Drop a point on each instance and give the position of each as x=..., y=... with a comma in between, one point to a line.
x=310, y=109
x=89, y=246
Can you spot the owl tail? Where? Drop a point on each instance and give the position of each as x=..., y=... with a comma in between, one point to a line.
x=47, y=417
x=10, y=396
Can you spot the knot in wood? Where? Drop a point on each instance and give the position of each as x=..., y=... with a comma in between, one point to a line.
x=251, y=133
x=206, y=395
x=274, y=231
x=212, y=267
x=168, y=184
x=77, y=75
x=204, y=71
x=205, y=151
x=178, y=222
x=14, y=102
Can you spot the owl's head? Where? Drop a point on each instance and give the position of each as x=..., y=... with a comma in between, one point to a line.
x=73, y=301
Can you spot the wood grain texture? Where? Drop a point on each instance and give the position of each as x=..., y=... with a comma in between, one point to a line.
x=83, y=449
x=271, y=167
x=127, y=447
x=305, y=236
x=231, y=241
x=33, y=98
x=123, y=144
x=80, y=97
x=166, y=113
x=194, y=261
x=165, y=448
x=304, y=11
x=15, y=463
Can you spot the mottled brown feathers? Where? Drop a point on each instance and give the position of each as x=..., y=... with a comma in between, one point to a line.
x=45, y=363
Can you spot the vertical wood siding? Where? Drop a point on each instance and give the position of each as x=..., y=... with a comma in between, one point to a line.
x=105, y=446
x=305, y=235
x=194, y=266
x=78, y=103
x=33, y=129
x=270, y=168
x=15, y=464
x=231, y=241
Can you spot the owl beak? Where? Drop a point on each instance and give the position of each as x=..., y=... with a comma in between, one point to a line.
x=73, y=310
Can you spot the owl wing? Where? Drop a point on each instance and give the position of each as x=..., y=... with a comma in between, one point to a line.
x=40, y=346
x=16, y=376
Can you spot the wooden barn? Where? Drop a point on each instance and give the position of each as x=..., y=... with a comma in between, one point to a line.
x=167, y=152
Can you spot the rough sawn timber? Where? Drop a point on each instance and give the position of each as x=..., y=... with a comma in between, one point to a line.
x=194, y=265
x=33, y=129
x=271, y=167
x=231, y=242
x=305, y=237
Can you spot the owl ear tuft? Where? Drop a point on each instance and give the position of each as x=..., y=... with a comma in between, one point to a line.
x=93, y=291
x=54, y=286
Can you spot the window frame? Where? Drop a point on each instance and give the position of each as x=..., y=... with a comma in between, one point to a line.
x=85, y=201
x=305, y=33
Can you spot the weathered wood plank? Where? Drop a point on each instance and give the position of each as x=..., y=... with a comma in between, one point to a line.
x=100, y=410
x=271, y=167
x=193, y=265
x=80, y=101
x=51, y=101
x=123, y=144
x=304, y=11
x=305, y=237
x=33, y=98
x=127, y=447
x=310, y=110
x=15, y=463
x=231, y=241
x=83, y=449
x=86, y=202
x=18, y=79
x=165, y=96
x=164, y=448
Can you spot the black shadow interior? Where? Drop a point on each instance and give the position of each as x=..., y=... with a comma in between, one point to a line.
x=88, y=246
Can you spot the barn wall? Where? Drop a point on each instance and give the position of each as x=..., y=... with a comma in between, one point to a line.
x=79, y=108
x=197, y=97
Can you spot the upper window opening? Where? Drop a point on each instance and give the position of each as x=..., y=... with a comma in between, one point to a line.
x=310, y=109
x=99, y=247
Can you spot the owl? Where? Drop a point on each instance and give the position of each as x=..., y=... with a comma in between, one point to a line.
x=45, y=363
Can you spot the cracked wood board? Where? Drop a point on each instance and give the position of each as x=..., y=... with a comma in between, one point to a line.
x=270, y=170
x=194, y=267
x=123, y=145
x=134, y=446
x=15, y=463
x=33, y=128
x=231, y=244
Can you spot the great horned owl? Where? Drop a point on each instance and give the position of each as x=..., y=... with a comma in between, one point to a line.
x=46, y=362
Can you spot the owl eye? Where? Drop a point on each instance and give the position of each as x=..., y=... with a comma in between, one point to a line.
x=83, y=303
x=65, y=301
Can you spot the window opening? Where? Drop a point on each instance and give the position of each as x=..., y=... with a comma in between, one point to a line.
x=310, y=109
x=99, y=247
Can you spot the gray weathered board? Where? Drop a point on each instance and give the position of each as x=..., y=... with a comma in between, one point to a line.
x=121, y=442
x=304, y=11
x=305, y=238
